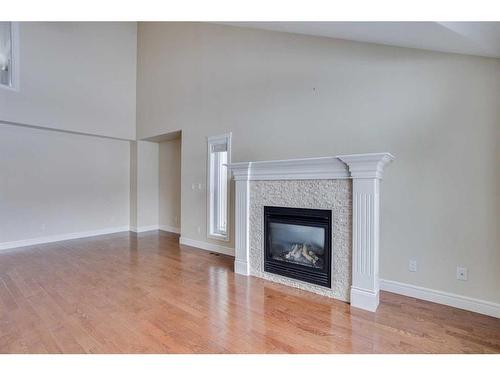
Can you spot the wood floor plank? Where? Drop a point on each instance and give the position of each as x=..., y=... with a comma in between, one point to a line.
x=127, y=293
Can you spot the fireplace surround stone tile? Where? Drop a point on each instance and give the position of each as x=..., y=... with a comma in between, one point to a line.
x=335, y=195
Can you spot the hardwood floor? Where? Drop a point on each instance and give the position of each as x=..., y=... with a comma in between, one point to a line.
x=146, y=294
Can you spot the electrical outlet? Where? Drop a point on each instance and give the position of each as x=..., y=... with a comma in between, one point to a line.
x=412, y=265
x=461, y=273
x=193, y=186
x=199, y=230
x=199, y=186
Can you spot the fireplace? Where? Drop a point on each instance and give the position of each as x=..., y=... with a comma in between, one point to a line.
x=298, y=243
x=349, y=186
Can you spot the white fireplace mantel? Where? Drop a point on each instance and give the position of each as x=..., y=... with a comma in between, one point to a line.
x=365, y=170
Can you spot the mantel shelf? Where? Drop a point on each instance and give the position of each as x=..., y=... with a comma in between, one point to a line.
x=322, y=168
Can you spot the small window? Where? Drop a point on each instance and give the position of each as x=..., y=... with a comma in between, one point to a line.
x=219, y=155
x=8, y=56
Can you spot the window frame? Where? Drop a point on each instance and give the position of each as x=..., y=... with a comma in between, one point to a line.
x=213, y=140
x=14, y=75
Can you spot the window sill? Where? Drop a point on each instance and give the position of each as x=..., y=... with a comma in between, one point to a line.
x=12, y=88
x=219, y=237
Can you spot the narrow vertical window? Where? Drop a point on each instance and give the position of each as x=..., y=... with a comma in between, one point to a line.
x=6, y=54
x=8, y=48
x=219, y=155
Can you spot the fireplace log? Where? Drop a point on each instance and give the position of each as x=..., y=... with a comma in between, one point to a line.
x=306, y=253
x=296, y=252
x=313, y=254
x=292, y=253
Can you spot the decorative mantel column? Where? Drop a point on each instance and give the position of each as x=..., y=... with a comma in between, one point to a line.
x=241, y=252
x=366, y=172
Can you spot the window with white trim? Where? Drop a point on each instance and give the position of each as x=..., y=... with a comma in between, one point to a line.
x=6, y=54
x=219, y=155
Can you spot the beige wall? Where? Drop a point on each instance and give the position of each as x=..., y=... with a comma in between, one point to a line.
x=170, y=184
x=287, y=96
x=75, y=76
x=54, y=183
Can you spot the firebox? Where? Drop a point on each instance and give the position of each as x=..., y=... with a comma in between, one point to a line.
x=298, y=243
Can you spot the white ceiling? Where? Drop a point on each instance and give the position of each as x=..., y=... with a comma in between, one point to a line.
x=470, y=38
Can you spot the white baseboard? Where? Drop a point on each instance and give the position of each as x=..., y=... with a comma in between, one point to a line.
x=206, y=246
x=168, y=228
x=144, y=229
x=364, y=299
x=444, y=298
x=241, y=268
x=61, y=237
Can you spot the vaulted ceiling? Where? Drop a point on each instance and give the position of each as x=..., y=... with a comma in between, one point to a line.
x=470, y=38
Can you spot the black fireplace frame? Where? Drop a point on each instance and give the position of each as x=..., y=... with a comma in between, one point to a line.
x=299, y=216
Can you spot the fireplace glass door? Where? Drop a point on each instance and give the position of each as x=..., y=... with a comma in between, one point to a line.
x=298, y=243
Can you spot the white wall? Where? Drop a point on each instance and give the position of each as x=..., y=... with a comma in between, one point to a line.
x=170, y=184
x=54, y=183
x=287, y=96
x=75, y=76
